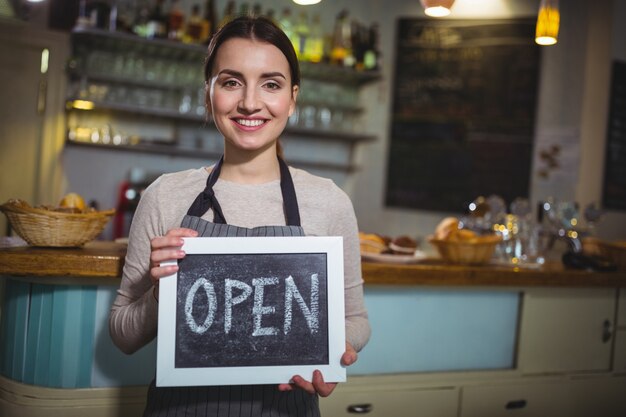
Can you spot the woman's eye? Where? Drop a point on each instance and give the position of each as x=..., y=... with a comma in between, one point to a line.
x=230, y=83
x=272, y=85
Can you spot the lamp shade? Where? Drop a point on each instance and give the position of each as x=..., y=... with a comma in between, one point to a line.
x=437, y=8
x=306, y=2
x=548, y=20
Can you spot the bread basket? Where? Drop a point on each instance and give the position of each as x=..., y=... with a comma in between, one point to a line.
x=477, y=251
x=41, y=227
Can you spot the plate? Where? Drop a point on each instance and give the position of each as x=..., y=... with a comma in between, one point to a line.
x=418, y=256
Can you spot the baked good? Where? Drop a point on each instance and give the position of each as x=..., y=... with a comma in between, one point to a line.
x=372, y=243
x=446, y=227
x=403, y=245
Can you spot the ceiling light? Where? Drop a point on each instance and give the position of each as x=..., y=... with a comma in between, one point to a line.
x=437, y=8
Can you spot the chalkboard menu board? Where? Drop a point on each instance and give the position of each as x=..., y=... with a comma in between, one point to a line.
x=463, y=114
x=614, y=193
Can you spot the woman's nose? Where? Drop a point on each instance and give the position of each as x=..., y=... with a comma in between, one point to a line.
x=249, y=101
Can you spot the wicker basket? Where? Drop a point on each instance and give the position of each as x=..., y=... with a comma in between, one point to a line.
x=40, y=227
x=473, y=252
x=615, y=251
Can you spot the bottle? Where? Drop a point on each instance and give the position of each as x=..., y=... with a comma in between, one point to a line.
x=209, y=21
x=244, y=9
x=176, y=21
x=287, y=26
x=157, y=22
x=314, y=48
x=229, y=13
x=301, y=34
x=142, y=16
x=194, y=27
x=341, y=45
x=371, y=60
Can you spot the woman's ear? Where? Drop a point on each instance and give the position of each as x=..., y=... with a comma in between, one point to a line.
x=294, y=96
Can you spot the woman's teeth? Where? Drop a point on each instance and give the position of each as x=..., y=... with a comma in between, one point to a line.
x=250, y=123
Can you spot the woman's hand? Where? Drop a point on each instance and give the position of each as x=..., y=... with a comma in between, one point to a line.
x=317, y=385
x=167, y=248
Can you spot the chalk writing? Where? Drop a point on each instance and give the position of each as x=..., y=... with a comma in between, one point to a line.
x=310, y=312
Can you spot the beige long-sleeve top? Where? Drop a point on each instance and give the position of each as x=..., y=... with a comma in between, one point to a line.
x=325, y=210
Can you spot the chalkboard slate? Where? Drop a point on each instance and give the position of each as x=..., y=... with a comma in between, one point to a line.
x=614, y=190
x=257, y=292
x=463, y=113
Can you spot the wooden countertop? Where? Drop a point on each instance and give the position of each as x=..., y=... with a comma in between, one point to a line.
x=105, y=260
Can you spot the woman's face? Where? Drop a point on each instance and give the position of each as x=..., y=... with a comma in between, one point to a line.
x=250, y=94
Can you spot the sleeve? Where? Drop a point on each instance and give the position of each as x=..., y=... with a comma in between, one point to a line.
x=133, y=317
x=344, y=224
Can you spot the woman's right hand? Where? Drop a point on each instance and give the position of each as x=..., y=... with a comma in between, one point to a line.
x=167, y=248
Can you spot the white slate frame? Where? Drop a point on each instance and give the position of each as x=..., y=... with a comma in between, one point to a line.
x=168, y=375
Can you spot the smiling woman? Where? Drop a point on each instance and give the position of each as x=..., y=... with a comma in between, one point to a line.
x=251, y=105
x=252, y=82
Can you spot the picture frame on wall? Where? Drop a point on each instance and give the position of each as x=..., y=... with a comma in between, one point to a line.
x=253, y=310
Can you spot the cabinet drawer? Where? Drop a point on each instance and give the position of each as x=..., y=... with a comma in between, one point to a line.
x=599, y=396
x=536, y=400
x=400, y=403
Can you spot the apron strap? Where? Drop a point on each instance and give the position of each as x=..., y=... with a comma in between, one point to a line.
x=207, y=200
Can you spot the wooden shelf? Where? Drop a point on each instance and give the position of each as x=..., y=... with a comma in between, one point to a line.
x=175, y=151
x=96, y=39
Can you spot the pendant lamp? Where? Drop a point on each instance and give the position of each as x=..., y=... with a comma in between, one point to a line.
x=437, y=8
x=547, y=30
x=306, y=2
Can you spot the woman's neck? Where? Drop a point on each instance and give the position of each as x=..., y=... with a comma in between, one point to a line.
x=250, y=168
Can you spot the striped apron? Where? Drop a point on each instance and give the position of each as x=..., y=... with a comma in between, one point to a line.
x=239, y=400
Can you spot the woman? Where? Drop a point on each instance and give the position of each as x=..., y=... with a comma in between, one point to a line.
x=252, y=81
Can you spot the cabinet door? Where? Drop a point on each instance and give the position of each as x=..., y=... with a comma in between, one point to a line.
x=566, y=330
x=598, y=397
x=399, y=403
x=519, y=400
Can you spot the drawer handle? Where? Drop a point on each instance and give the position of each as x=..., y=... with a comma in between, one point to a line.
x=607, y=331
x=360, y=408
x=515, y=405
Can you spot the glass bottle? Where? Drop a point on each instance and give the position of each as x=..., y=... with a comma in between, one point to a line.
x=229, y=13
x=301, y=34
x=157, y=21
x=176, y=21
x=342, y=40
x=209, y=22
x=287, y=26
x=193, y=30
x=314, y=48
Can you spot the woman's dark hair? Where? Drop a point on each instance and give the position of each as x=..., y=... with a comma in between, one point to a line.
x=254, y=28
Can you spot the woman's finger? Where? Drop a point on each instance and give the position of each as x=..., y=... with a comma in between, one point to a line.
x=322, y=388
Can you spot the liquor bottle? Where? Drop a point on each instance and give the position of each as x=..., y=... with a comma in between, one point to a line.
x=193, y=30
x=229, y=13
x=287, y=26
x=302, y=33
x=341, y=52
x=176, y=21
x=314, y=48
x=209, y=22
x=157, y=21
x=140, y=24
x=257, y=10
x=371, y=60
x=244, y=9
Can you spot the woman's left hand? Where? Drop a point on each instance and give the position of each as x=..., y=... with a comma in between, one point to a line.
x=317, y=385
